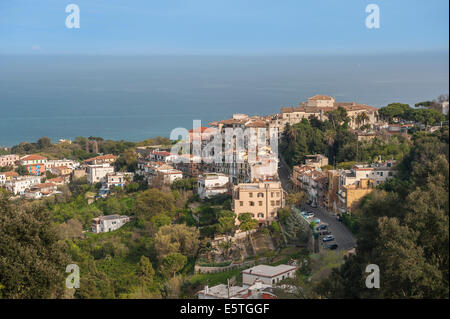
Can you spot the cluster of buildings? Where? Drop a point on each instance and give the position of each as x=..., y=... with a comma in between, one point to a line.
x=339, y=190
x=98, y=169
x=255, y=187
x=36, y=166
x=257, y=283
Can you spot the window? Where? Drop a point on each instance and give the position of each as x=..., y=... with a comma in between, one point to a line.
x=260, y=195
x=272, y=202
x=278, y=202
x=250, y=194
x=278, y=194
x=271, y=194
x=260, y=215
x=252, y=203
x=260, y=203
x=241, y=203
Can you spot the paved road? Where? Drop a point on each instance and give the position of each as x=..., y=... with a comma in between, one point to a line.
x=343, y=237
x=283, y=174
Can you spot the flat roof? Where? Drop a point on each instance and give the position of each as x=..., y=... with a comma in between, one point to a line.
x=268, y=271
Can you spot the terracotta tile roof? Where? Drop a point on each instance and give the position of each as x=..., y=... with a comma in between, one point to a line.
x=162, y=153
x=101, y=157
x=43, y=185
x=33, y=157
x=320, y=97
x=9, y=174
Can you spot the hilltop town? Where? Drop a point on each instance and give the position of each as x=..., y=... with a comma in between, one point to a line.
x=250, y=228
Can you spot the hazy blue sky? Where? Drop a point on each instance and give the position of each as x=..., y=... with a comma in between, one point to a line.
x=222, y=27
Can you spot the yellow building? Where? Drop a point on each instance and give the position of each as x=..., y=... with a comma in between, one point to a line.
x=350, y=195
x=261, y=200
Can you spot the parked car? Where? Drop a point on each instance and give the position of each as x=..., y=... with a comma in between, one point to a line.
x=309, y=215
x=332, y=246
x=328, y=238
x=316, y=221
x=321, y=227
x=325, y=232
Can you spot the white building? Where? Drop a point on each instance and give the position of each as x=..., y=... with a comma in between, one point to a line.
x=119, y=179
x=269, y=275
x=258, y=290
x=97, y=173
x=210, y=184
x=108, y=223
x=167, y=175
x=61, y=163
x=33, y=159
x=19, y=185
x=379, y=172
x=6, y=176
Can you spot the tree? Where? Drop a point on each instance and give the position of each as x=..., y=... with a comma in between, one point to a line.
x=337, y=117
x=247, y=222
x=152, y=202
x=32, y=261
x=403, y=228
x=145, y=272
x=296, y=199
x=226, y=221
x=172, y=263
x=22, y=170
x=177, y=238
x=44, y=142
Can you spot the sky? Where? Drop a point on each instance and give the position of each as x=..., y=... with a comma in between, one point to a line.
x=221, y=27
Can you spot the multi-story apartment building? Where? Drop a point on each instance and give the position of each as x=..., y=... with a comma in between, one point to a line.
x=262, y=200
x=62, y=163
x=349, y=196
x=210, y=184
x=9, y=160
x=35, y=164
x=97, y=173
x=19, y=185
x=360, y=181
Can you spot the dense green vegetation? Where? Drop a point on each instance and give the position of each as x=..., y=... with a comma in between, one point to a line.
x=425, y=116
x=403, y=228
x=334, y=139
x=83, y=148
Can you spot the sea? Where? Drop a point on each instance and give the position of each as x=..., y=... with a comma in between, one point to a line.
x=138, y=97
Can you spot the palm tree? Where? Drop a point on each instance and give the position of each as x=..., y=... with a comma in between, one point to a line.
x=364, y=117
